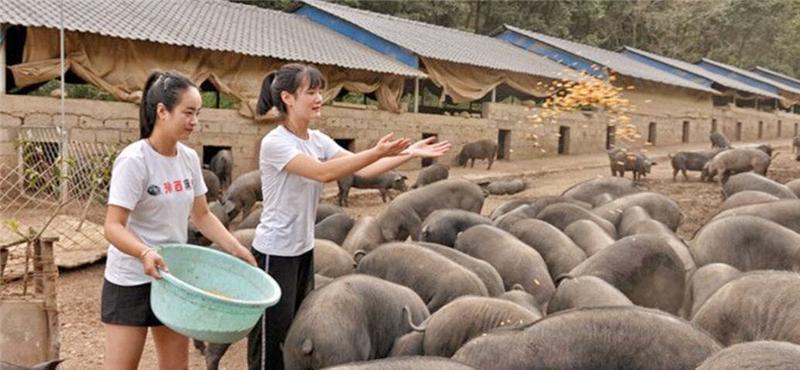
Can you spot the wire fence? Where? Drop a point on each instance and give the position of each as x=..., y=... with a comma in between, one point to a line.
x=57, y=188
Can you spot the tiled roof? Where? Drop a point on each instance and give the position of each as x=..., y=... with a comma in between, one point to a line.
x=446, y=44
x=697, y=70
x=617, y=62
x=751, y=75
x=206, y=24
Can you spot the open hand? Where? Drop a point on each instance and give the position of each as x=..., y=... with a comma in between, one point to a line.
x=428, y=148
x=388, y=147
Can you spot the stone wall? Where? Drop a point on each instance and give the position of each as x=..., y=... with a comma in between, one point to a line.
x=729, y=117
x=117, y=123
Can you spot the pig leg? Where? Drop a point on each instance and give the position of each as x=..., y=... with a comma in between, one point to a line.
x=675, y=173
x=199, y=345
x=3, y=260
x=344, y=196
x=685, y=176
x=246, y=209
x=384, y=193
x=214, y=354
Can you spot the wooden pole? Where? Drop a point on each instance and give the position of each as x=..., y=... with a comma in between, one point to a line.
x=49, y=278
x=64, y=147
x=2, y=59
x=494, y=94
x=416, y=94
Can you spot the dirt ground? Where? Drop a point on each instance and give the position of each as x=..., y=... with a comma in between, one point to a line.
x=79, y=290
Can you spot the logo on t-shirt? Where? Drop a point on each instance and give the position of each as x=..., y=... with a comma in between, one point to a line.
x=153, y=190
x=168, y=187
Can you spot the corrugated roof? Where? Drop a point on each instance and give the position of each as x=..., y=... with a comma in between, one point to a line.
x=768, y=72
x=206, y=24
x=615, y=61
x=442, y=43
x=697, y=70
x=751, y=75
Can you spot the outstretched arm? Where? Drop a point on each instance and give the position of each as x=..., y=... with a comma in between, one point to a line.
x=425, y=148
x=344, y=165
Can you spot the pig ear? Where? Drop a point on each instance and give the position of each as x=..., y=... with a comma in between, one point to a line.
x=358, y=255
x=308, y=346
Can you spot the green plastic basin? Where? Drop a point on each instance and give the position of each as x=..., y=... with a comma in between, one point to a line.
x=210, y=295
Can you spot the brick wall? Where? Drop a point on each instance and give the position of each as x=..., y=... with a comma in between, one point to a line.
x=117, y=123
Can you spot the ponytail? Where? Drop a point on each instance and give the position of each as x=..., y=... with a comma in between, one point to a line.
x=290, y=77
x=161, y=87
x=265, y=99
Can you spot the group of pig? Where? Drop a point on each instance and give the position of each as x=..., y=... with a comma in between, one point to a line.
x=394, y=181
x=722, y=160
x=593, y=278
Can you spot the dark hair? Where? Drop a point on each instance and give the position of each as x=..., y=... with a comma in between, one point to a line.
x=161, y=87
x=288, y=78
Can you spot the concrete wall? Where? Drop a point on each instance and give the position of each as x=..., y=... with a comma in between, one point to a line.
x=587, y=130
x=728, y=117
x=669, y=108
x=117, y=123
x=25, y=338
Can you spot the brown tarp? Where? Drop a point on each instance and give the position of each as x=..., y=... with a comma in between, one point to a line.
x=465, y=83
x=121, y=67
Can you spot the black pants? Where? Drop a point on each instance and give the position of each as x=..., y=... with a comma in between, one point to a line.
x=295, y=276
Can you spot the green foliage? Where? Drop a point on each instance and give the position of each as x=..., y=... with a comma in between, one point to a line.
x=269, y=4
x=225, y=101
x=74, y=91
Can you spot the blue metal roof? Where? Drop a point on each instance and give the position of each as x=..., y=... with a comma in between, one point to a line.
x=777, y=76
x=746, y=77
x=552, y=53
x=577, y=55
x=403, y=38
x=693, y=72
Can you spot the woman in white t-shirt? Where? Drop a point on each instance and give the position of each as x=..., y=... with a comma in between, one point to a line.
x=156, y=186
x=295, y=162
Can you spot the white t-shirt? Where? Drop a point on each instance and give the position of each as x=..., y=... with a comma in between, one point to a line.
x=286, y=227
x=159, y=192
